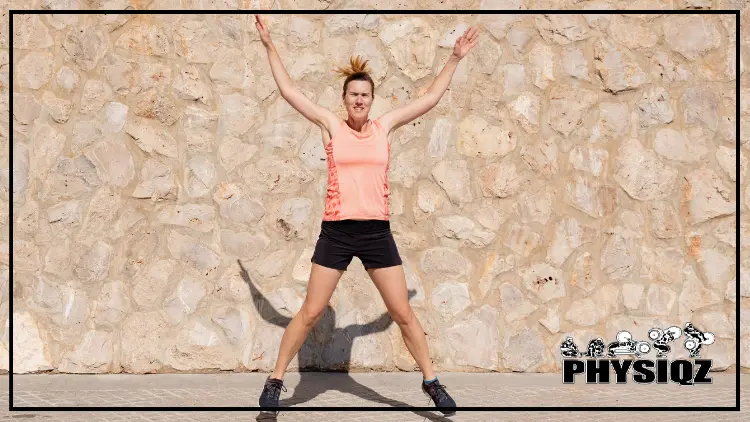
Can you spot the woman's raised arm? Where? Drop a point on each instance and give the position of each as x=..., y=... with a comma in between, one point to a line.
x=405, y=114
x=313, y=112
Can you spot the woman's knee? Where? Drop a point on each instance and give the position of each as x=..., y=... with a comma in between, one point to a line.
x=403, y=315
x=311, y=314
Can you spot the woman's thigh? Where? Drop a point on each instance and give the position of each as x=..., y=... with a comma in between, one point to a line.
x=321, y=285
x=391, y=283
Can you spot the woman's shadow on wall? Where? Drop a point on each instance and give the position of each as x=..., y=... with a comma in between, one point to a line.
x=335, y=353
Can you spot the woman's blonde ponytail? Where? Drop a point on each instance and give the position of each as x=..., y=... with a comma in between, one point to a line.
x=356, y=71
x=356, y=65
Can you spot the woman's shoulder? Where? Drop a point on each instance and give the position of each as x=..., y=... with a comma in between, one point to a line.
x=333, y=126
x=381, y=126
x=378, y=123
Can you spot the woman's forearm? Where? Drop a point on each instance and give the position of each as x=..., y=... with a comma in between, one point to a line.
x=441, y=82
x=282, y=78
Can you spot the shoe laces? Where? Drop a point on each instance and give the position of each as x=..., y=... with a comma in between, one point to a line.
x=275, y=388
x=438, y=391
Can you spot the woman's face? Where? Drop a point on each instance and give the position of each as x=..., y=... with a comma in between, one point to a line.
x=358, y=99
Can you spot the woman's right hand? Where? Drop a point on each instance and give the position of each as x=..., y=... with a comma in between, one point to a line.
x=265, y=35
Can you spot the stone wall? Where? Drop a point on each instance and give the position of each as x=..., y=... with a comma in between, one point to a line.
x=578, y=178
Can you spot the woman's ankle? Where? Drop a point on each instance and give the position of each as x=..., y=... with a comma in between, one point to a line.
x=432, y=377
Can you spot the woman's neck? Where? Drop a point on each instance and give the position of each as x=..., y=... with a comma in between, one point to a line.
x=357, y=125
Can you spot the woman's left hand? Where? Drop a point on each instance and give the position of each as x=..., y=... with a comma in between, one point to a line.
x=466, y=42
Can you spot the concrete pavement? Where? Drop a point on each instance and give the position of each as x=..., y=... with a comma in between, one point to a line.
x=361, y=390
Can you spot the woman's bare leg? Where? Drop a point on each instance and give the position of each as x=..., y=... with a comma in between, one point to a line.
x=320, y=288
x=391, y=283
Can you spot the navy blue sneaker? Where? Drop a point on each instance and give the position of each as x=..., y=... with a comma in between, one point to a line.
x=271, y=392
x=443, y=401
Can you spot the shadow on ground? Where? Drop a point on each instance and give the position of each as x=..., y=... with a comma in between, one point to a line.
x=335, y=351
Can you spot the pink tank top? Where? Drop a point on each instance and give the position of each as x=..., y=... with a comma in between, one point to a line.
x=357, y=174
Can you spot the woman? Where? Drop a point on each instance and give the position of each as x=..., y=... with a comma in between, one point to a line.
x=355, y=221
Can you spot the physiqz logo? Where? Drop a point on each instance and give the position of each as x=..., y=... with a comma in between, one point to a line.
x=644, y=371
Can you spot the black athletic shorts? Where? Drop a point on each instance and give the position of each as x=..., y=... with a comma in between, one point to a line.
x=369, y=240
